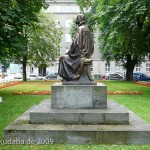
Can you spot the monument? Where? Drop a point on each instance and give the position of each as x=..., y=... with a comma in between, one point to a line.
x=75, y=69
x=78, y=112
x=76, y=63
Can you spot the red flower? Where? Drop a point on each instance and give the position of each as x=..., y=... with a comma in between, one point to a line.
x=142, y=83
x=10, y=84
x=124, y=93
x=31, y=93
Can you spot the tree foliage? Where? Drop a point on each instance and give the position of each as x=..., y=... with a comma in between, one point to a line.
x=44, y=40
x=124, y=29
x=73, y=28
x=14, y=15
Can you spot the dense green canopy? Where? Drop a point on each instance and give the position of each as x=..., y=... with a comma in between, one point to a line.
x=124, y=30
x=14, y=15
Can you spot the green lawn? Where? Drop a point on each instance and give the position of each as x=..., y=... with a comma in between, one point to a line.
x=14, y=105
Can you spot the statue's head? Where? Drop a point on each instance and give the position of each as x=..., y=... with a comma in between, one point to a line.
x=80, y=19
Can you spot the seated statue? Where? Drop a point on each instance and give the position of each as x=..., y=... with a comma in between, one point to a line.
x=71, y=66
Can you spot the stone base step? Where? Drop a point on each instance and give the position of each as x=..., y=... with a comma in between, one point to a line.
x=114, y=114
x=137, y=132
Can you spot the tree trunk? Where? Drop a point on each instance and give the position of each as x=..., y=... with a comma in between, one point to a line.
x=130, y=67
x=129, y=73
x=24, y=64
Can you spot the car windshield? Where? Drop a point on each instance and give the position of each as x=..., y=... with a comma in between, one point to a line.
x=140, y=74
x=145, y=75
x=32, y=75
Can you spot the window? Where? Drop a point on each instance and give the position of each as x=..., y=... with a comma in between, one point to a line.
x=51, y=8
x=117, y=67
x=57, y=8
x=147, y=67
x=31, y=69
x=68, y=8
x=58, y=52
x=68, y=23
x=77, y=9
x=97, y=77
x=56, y=67
x=68, y=38
x=57, y=21
x=137, y=67
x=107, y=67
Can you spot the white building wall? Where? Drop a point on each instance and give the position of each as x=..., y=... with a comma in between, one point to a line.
x=144, y=67
x=96, y=67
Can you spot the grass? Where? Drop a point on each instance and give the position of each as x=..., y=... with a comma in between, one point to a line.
x=14, y=105
x=139, y=104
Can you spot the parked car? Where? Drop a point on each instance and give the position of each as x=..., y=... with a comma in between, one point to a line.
x=104, y=77
x=42, y=77
x=32, y=77
x=51, y=76
x=114, y=76
x=141, y=77
x=18, y=76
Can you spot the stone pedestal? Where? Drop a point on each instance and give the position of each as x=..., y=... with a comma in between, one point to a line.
x=79, y=96
x=43, y=113
x=39, y=126
x=79, y=114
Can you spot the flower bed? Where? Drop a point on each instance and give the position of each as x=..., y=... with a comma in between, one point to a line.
x=49, y=92
x=142, y=83
x=31, y=93
x=124, y=93
x=10, y=84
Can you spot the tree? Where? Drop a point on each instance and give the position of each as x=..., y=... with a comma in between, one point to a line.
x=124, y=28
x=14, y=16
x=125, y=32
x=17, y=19
x=43, y=40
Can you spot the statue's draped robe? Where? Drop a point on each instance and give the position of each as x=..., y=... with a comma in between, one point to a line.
x=82, y=47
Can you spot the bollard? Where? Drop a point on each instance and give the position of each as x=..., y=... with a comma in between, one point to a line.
x=0, y=99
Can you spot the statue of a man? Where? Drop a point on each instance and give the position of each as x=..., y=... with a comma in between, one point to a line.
x=81, y=49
